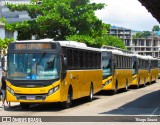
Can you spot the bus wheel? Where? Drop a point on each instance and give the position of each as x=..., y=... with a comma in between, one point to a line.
x=90, y=97
x=155, y=79
x=138, y=85
x=150, y=81
x=68, y=103
x=115, y=91
x=24, y=105
x=144, y=82
x=126, y=88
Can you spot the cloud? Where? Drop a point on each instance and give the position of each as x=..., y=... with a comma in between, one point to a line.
x=126, y=13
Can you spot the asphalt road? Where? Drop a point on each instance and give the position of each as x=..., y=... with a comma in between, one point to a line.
x=136, y=105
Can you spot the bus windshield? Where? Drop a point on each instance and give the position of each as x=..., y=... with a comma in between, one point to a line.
x=37, y=66
x=107, y=66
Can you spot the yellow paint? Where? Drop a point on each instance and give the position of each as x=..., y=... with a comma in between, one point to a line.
x=121, y=76
x=79, y=80
x=153, y=75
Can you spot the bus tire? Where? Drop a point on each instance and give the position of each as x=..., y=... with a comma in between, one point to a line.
x=155, y=79
x=150, y=80
x=68, y=103
x=126, y=87
x=115, y=91
x=24, y=105
x=90, y=97
x=138, y=84
x=144, y=82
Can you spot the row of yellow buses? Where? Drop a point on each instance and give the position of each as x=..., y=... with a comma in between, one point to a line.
x=117, y=70
x=43, y=71
x=121, y=70
x=159, y=67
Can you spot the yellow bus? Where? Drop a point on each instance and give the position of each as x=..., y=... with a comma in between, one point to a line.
x=140, y=70
x=43, y=71
x=117, y=70
x=153, y=69
x=159, y=68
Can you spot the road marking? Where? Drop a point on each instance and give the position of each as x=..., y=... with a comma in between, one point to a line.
x=154, y=111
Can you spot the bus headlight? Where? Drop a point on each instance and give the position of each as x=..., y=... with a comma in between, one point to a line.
x=10, y=90
x=107, y=82
x=53, y=90
x=134, y=78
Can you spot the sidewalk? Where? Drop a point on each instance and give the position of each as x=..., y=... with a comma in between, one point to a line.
x=12, y=104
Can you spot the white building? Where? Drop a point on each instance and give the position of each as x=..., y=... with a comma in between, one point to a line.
x=144, y=46
x=11, y=17
x=6, y=33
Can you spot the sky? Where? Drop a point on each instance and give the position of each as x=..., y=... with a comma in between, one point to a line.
x=126, y=13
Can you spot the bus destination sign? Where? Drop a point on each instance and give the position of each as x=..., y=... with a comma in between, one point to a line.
x=32, y=46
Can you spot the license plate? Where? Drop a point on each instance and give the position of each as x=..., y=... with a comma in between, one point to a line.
x=30, y=97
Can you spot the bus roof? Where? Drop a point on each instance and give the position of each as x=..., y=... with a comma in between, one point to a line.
x=152, y=58
x=41, y=40
x=73, y=44
x=117, y=52
x=141, y=56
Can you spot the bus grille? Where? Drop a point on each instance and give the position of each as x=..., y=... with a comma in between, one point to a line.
x=31, y=97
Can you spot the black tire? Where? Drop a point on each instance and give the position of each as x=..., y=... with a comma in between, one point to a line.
x=24, y=105
x=138, y=85
x=150, y=80
x=155, y=80
x=144, y=82
x=115, y=91
x=90, y=97
x=68, y=103
x=126, y=88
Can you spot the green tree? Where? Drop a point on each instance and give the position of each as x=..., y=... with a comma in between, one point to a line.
x=4, y=43
x=99, y=41
x=58, y=19
x=82, y=38
x=110, y=41
x=144, y=34
x=156, y=28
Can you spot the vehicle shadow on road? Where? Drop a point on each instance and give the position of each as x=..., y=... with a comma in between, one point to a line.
x=110, y=93
x=148, y=104
x=48, y=107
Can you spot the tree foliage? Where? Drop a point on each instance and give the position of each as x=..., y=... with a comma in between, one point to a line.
x=58, y=19
x=111, y=41
x=64, y=19
x=99, y=41
x=144, y=34
x=156, y=28
x=4, y=43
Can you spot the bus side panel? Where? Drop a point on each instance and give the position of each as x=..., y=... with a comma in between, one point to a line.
x=97, y=85
x=122, y=75
x=143, y=76
x=153, y=75
x=80, y=81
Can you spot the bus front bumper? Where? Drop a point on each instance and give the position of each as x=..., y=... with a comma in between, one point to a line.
x=33, y=98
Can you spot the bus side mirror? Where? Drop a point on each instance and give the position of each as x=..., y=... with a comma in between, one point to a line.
x=64, y=64
x=65, y=61
x=4, y=63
